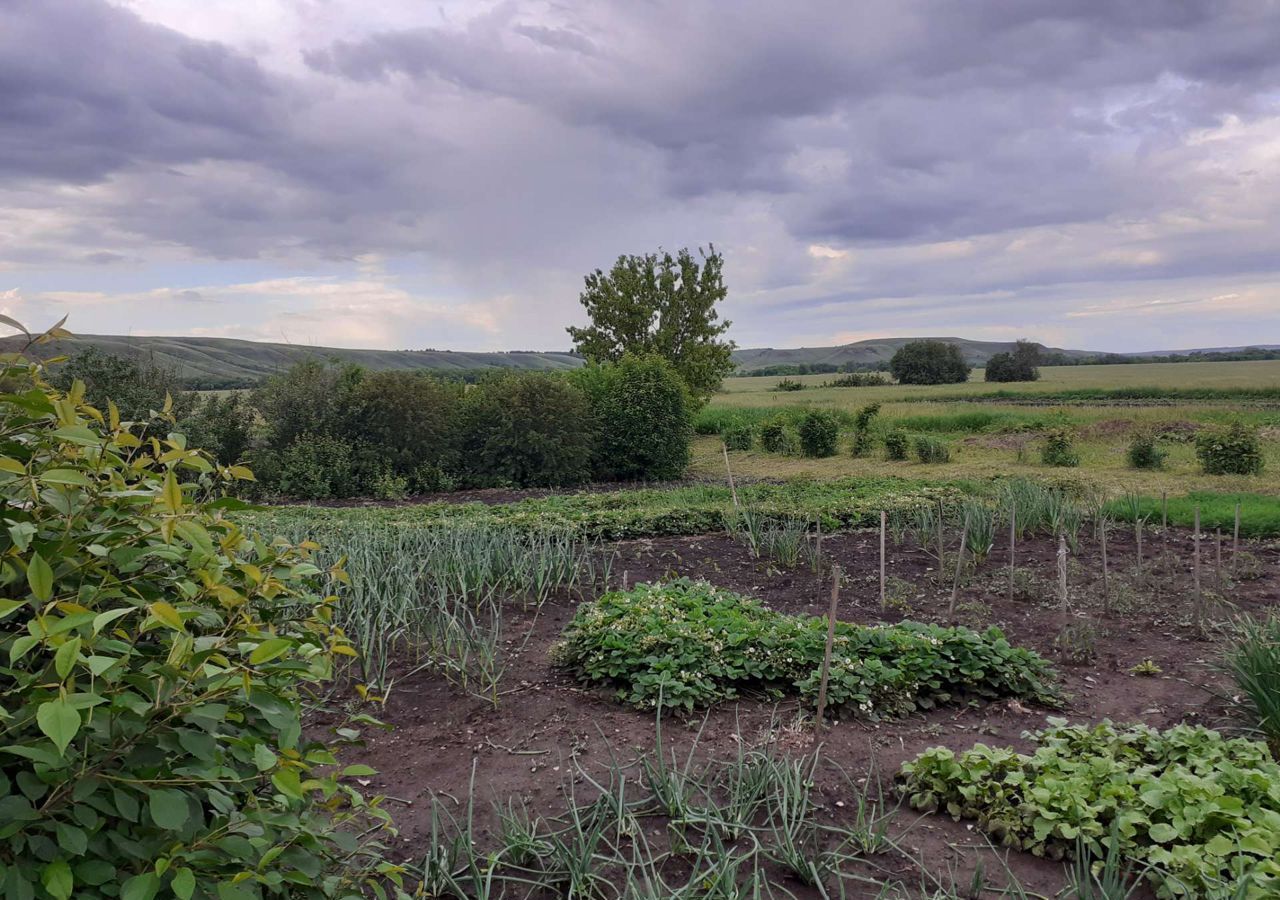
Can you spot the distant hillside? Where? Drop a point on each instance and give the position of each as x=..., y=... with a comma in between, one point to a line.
x=870, y=353
x=222, y=362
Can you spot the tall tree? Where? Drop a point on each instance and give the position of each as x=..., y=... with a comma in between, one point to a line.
x=1020, y=365
x=660, y=304
x=929, y=362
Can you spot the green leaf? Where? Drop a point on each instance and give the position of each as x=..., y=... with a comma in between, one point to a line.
x=59, y=722
x=65, y=659
x=21, y=647
x=103, y=619
x=169, y=809
x=287, y=782
x=73, y=477
x=57, y=879
x=269, y=650
x=166, y=614
x=140, y=887
x=171, y=497
x=1162, y=832
x=8, y=607
x=263, y=758
x=40, y=578
x=183, y=884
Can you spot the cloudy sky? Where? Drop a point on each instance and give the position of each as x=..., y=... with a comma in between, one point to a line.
x=1089, y=173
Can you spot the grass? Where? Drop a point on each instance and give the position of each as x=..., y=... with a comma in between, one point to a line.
x=1259, y=513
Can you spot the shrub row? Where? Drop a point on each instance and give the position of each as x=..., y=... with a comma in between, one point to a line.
x=1202, y=811
x=691, y=644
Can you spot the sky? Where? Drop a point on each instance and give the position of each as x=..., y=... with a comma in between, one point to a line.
x=1087, y=173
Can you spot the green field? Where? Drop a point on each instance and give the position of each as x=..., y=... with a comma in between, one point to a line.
x=992, y=431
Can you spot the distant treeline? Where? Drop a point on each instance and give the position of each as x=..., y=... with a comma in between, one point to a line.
x=217, y=383
x=1121, y=359
x=812, y=369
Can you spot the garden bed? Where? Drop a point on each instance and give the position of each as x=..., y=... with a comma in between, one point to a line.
x=548, y=731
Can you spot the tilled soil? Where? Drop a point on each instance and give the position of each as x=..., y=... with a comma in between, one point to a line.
x=548, y=732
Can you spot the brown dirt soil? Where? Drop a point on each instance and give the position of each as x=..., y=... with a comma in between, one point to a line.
x=547, y=731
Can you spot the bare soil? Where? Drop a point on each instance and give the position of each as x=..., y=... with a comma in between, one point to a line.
x=547, y=731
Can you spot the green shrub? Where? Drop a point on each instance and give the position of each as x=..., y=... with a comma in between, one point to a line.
x=929, y=362
x=1058, y=450
x=1254, y=662
x=222, y=426
x=787, y=385
x=932, y=450
x=862, y=437
x=896, y=445
x=1201, y=811
x=155, y=657
x=777, y=437
x=643, y=418
x=525, y=429
x=818, y=432
x=403, y=421
x=313, y=467
x=693, y=644
x=739, y=436
x=1231, y=450
x=1145, y=453
x=858, y=379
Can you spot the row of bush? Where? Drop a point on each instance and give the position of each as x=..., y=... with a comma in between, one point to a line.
x=325, y=430
x=1233, y=449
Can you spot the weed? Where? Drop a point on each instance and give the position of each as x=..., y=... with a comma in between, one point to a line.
x=1147, y=668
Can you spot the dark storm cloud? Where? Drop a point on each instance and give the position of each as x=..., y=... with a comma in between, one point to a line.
x=559, y=134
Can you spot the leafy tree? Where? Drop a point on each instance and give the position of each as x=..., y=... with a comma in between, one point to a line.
x=137, y=387
x=526, y=430
x=222, y=425
x=155, y=661
x=664, y=305
x=643, y=418
x=1020, y=365
x=929, y=362
x=403, y=425
x=314, y=397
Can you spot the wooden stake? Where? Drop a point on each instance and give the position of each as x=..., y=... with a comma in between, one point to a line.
x=1106, y=581
x=826, y=656
x=942, y=544
x=1138, y=532
x=1164, y=509
x=624, y=580
x=883, y=523
x=1235, y=541
x=1062, y=571
x=1013, y=543
x=955, y=584
x=818, y=554
x=1217, y=558
x=1196, y=568
x=732, y=488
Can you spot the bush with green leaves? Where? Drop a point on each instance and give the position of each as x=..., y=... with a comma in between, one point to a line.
x=738, y=436
x=222, y=425
x=896, y=445
x=818, y=432
x=693, y=644
x=1144, y=452
x=1234, y=449
x=153, y=662
x=787, y=385
x=1200, y=811
x=776, y=436
x=1058, y=449
x=862, y=436
x=525, y=430
x=643, y=418
x=932, y=450
x=929, y=362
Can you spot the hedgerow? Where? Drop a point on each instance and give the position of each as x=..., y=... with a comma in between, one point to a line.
x=1202, y=811
x=691, y=644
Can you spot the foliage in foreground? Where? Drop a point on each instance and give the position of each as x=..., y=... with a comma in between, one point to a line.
x=1202, y=811
x=693, y=644
x=153, y=657
x=1254, y=662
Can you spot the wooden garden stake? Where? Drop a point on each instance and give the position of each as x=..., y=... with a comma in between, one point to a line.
x=624, y=580
x=955, y=584
x=883, y=523
x=1106, y=582
x=1196, y=568
x=826, y=655
x=734, y=490
x=1164, y=510
x=1013, y=543
x=942, y=544
x=1235, y=541
x=1062, y=570
x=1138, y=534
x=1217, y=558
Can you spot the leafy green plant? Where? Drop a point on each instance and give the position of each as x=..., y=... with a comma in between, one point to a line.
x=1200, y=811
x=1058, y=449
x=896, y=445
x=862, y=437
x=1253, y=660
x=777, y=437
x=692, y=644
x=1147, y=668
x=1144, y=452
x=739, y=436
x=818, y=432
x=787, y=385
x=1234, y=449
x=155, y=660
x=931, y=450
